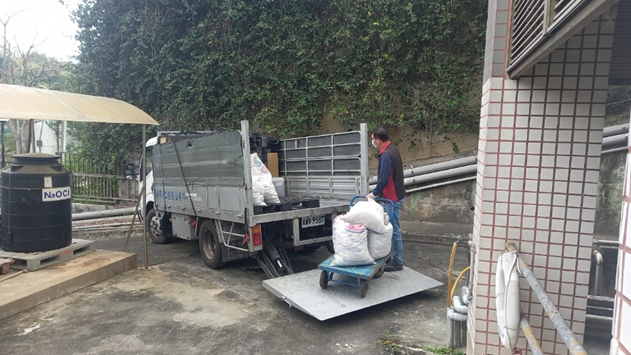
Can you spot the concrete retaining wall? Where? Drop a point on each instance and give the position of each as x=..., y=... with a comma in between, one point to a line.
x=446, y=204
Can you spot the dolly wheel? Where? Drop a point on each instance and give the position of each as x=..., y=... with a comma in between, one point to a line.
x=380, y=272
x=324, y=279
x=364, y=288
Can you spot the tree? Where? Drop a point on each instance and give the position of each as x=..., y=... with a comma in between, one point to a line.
x=26, y=67
x=200, y=64
x=618, y=102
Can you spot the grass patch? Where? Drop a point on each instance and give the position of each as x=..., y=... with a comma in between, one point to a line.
x=443, y=351
x=387, y=342
x=395, y=347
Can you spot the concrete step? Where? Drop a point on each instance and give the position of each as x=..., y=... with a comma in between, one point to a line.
x=22, y=290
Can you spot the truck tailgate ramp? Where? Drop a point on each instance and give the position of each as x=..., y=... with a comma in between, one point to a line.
x=303, y=291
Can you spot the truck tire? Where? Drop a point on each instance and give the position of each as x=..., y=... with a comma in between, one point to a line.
x=209, y=245
x=310, y=249
x=154, y=229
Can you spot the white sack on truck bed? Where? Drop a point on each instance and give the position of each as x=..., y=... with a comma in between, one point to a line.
x=370, y=214
x=263, y=188
x=350, y=242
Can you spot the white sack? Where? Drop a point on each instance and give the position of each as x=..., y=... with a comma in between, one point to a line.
x=369, y=213
x=257, y=192
x=263, y=179
x=257, y=187
x=379, y=244
x=350, y=242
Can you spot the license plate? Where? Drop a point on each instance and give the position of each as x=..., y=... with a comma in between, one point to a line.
x=312, y=221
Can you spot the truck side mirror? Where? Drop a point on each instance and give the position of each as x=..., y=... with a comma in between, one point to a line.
x=130, y=169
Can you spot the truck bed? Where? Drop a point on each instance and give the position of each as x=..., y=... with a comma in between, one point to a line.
x=327, y=207
x=209, y=176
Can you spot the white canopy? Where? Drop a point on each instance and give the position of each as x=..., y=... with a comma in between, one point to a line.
x=25, y=103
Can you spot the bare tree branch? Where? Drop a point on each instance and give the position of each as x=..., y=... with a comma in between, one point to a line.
x=22, y=67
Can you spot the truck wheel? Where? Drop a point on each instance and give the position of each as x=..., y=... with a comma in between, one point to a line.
x=310, y=249
x=209, y=245
x=154, y=228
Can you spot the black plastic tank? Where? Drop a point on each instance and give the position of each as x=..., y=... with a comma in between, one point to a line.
x=36, y=204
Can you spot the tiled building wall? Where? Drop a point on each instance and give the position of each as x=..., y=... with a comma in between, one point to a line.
x=621, y=342
x=538, y=167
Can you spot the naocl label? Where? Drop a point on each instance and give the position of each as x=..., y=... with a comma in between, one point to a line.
x=56, y=194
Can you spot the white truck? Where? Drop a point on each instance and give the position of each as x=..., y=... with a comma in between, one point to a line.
x=201, y=188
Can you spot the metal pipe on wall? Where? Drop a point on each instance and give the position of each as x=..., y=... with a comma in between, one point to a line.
x=455, y=168
x=456, y=163
x=100, y=214
x=614, y=150
x=615, y=130
x=451, y=331
x=620, y=133
x=619, y=139
x=455, y=322
x=444, y=183
x=438, y=175
x=606, y=243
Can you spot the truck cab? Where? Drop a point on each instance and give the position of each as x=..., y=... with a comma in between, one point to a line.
x=154, y=225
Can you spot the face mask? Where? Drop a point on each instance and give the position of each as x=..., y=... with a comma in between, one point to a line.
x=373, y=143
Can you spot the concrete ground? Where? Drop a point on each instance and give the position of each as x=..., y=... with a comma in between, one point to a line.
x=180, y=306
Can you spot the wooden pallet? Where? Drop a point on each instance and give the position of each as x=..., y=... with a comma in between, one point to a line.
x=4, y=265
x=39, y=260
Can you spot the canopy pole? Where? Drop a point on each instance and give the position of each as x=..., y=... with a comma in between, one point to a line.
x=62, y=143
x=144, y=193
x=28, y=139
x=3, y=148
x=32, y=130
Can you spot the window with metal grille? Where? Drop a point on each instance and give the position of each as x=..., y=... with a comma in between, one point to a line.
x=562, y=8
x=527, y=27
x=533, y=20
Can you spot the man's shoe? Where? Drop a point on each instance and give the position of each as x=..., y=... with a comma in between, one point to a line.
x=394, y=267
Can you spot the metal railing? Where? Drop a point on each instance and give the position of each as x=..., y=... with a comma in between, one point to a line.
x=571, y=341
x=100, y=181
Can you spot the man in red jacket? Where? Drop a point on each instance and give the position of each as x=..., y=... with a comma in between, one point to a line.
x=390, y=185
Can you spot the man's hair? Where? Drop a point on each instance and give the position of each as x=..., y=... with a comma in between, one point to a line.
x=381, y=134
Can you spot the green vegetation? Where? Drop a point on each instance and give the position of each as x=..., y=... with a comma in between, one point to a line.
x=443, y=351
x=29, y=68
x=618, y=103
x=284, y=66
x=388, y=342
x=394, y=346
